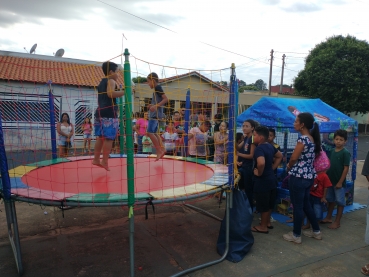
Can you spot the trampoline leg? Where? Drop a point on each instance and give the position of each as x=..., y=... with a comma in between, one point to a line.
x=11, y=218
x=131, y=244
x=229, y=196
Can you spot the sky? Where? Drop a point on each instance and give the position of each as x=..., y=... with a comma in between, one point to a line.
x=175, y=36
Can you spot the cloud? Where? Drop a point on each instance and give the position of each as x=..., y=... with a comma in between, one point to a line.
x=20, y=12
x=271, y=2
x=302, y=8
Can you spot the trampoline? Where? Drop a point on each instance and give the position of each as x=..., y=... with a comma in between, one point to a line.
x=75, y=180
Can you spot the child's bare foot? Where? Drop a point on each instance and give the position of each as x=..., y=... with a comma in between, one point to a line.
x=159, y=155
x=105, y=165
x=304, y=227
x=334, y=225
x=97, y=163
x=289, y=220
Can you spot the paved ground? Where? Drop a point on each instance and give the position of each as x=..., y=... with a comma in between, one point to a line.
x=94, y=242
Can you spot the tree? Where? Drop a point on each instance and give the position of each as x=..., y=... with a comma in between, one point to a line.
x=248, y=87
x=337, y=72
x=139, y=79
x=260, y=84
x=241, y=83
x=222, y=83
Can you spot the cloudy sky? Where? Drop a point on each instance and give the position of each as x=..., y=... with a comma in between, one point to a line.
x=192, y=34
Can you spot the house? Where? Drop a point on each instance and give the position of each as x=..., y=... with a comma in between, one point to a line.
x=25, y=82
x=285, y=89
x=207, y=96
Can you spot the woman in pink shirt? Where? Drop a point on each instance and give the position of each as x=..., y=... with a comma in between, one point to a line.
x=141, y=126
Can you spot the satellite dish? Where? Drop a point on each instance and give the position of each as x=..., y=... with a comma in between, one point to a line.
x=33, y=49
x=59, y=53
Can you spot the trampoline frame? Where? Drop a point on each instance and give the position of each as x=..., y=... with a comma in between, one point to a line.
x=9, y=198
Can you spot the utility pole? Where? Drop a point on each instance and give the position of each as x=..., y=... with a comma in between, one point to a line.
x=280, y=89
x=270, y=73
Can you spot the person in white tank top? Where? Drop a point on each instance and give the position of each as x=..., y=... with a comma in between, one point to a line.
x=65, y=130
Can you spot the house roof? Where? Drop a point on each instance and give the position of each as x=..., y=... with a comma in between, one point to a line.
x=41, y=69
x=196, y=74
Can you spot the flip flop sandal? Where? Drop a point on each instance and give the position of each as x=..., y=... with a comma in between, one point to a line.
x=365, y=270
x=253, y=229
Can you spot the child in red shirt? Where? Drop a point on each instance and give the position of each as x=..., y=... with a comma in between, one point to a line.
x=318, y=193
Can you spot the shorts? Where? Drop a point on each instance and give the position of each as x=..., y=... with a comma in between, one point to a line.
x=265, y=200
x=62, y=141
x=106, y=127
x=87, y=136
x=152, y=126
x=336, y=195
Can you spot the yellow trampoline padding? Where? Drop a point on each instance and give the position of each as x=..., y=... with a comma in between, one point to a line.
x=19, y=171
x=181, y=191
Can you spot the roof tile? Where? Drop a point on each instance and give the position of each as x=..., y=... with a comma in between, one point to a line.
x=41, y=71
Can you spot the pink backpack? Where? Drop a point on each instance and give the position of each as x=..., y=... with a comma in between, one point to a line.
x=321, y=162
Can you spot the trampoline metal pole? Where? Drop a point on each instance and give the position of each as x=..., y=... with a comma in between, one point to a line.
x=52, y=122
x=130, y=154
x=229, y=193
x=187, y=119
x=121, y=126
x=11, y=216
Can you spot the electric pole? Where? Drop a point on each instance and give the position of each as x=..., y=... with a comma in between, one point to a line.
x=280, y=89
x=270, y=73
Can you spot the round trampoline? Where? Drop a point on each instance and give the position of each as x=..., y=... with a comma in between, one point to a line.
x=75, y=180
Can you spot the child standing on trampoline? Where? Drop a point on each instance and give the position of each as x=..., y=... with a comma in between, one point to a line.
x=156, y=113
x=106, y=121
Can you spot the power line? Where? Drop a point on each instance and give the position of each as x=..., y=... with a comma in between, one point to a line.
x=208, y=44
x=291, y=52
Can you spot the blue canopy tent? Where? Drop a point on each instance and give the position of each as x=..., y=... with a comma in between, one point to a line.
x=280, y=113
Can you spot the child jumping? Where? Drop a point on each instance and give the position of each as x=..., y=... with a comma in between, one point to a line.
x=156, y=113
x=340, y=162
x=106, y=121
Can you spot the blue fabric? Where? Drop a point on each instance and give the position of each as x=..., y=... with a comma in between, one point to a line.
x=267, y=151
x=336, y=195
x=139, y=144
x=240, y=235
x=152, y=126
x=106, y=127
x=317, y=206
x=107, y=107
x=300, y=199
x=281, y=113
x=157, y=97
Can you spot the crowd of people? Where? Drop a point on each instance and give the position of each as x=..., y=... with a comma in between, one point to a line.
x=311, y=185
x=258, y=154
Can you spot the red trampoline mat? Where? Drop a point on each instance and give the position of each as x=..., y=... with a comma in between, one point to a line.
x=81, y=177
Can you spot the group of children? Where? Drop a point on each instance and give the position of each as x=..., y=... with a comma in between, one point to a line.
x=258, y=158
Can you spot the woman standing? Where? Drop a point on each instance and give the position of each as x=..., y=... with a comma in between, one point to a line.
x=220, y=141
x=141, y=126
x=302, y=174
x=65, y=130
